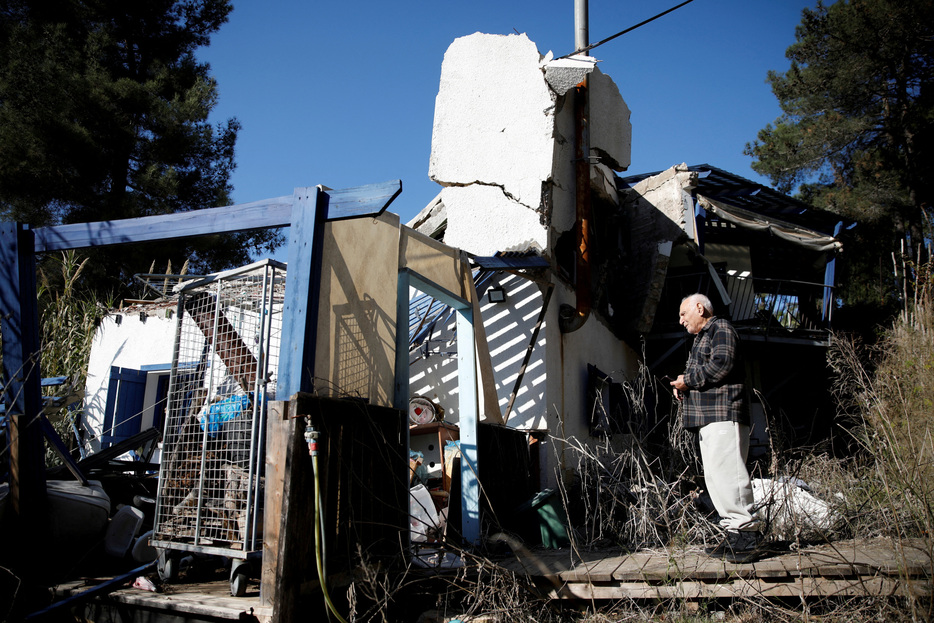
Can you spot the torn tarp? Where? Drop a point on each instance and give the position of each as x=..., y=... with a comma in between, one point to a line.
x=750, y=220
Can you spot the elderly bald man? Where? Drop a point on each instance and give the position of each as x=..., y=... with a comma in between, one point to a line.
x=714, y=395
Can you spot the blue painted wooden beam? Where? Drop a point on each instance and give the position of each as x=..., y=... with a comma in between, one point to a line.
x=22, y=394
x=468, y=418
x=302, y=289
x=432, y=289
x=312, y=208
x=830, y=280
x=400, y=396
x=257, y=215
x=269, y=213
x=370, y=200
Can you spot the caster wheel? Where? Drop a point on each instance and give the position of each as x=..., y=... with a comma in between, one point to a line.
x=167, y=566
x=239, y=577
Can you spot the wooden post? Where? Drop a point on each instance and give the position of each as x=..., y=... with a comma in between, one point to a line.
x=303, y=286
x=22, y=392
x=303, y=280
x=289, y=509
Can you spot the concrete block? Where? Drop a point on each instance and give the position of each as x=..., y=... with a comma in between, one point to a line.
x=610, y=127
x=483, y=220
x=431, y=219
x=603, y=183
x=566, y=73
x=665, y=200
x=564, y=213
x=494, y=117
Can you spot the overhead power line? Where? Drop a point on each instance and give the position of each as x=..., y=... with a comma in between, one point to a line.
x=623, y=32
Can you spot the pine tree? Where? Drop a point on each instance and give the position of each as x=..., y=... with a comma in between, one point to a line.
x=856, y=131
x=104, y=115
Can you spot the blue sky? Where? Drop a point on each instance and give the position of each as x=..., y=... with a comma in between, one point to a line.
x=342, y=93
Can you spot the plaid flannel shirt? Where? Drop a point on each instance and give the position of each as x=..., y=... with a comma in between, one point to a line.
x=715, y=374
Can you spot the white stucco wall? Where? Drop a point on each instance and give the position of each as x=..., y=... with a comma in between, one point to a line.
x=566, y=395
x=493, y=105
x=133, y=343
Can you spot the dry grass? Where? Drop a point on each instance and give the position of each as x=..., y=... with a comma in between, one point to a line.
x=887, y=394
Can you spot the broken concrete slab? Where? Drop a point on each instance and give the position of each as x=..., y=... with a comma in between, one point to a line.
x=564, y=74
x=662, y=214
x=610, y=127
x=499, y=126
x=494, y=117
x=664, y=204
x=603, y=183
x=476, y=221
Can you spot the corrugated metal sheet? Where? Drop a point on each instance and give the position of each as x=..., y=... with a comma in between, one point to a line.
x=730, y=188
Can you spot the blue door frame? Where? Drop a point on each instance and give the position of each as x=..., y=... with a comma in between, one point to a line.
x=467, y=395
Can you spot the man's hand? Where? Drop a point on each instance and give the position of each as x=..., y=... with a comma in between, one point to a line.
x=679, y=387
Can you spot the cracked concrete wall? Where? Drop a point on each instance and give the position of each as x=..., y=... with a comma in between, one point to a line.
x=610, y=128
x=503, y=149
x=502, y=143
x=492, y=143
x=493, y=117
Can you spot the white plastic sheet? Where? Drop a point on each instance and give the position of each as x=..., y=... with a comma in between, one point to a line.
x=790, y=510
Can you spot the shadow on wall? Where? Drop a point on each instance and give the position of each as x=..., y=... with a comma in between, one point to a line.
x=509, y=325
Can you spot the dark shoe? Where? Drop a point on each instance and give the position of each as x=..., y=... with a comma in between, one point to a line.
x=738, y=547
x=719, y=550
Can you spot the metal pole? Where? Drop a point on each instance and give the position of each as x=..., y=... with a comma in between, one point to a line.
x=581, y=25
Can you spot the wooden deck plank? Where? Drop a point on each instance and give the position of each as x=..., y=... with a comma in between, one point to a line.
x=911, y=558
x=596, y=571
x=803, y=587
x=850, y=569
x=632, y=569
x=684, y=565
x=840, y=560
x=699, y=566
x=203, y=599
x=771, y=568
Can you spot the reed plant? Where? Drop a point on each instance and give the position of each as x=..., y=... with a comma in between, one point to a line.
x=68, y=319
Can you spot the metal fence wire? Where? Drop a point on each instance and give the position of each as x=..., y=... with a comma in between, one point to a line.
x=210, y=496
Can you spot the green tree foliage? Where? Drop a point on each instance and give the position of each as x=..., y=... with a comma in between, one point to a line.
x=104, y=115
x=855, y=134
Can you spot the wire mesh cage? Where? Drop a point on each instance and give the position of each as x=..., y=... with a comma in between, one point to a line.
x=210, y=495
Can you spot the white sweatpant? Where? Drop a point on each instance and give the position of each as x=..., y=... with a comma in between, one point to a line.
x=724, y=447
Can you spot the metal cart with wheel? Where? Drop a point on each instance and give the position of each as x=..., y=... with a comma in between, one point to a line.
x=210, y=494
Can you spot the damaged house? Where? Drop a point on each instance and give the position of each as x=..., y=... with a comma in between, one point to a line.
x=500, y=322
x=565, y=342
